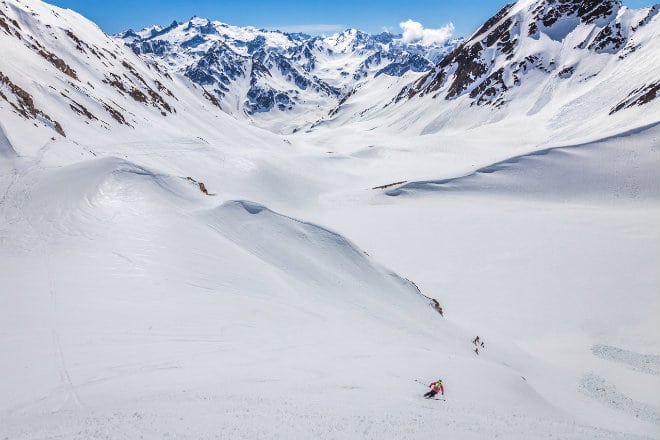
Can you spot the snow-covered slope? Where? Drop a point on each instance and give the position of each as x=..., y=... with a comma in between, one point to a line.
x=183, y=274
x=130, y=296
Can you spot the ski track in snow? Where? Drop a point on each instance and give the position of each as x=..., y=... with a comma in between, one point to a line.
x=644, y=363
x=599, y=389
x=194, y=415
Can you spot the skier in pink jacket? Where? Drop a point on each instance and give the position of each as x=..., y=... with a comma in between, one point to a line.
x=436, y=387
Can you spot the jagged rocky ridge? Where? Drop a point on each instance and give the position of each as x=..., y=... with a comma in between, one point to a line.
x=497, y=58
x=257, y=71
x=73, y=68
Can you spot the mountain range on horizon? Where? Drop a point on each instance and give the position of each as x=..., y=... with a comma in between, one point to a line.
x=306, y=81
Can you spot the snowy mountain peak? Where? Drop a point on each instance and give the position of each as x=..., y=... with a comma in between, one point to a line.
x=253, y=72
x=83, y=81
x=531, y=38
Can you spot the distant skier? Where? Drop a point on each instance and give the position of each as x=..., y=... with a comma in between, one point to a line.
x=475, y=341
x=482, y=344
x=476, y=350
x=436, y=387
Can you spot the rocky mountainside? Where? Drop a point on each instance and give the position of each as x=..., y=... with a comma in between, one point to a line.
x=252, y=71
x=565, y=62
x=61, y=74
x=499, y=56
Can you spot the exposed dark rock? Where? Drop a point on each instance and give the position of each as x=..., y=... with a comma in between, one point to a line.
x=137, y=95
x=469, y=67
x=490, y=88
x=200, y=185
x=4, y=26
x=158, y=101
x=388, y=185
x=110, y=53
x=134, y=72
x=640, y=96
x=24, y=104
x=116, y=114
x=256, y=44
x=550, y=11
x=155, y=33
x=156, y=47
x=193, y=42
x=501, y=37
x=219, y=64
x=260, y=99
x=566, y=72
x=162, y=88
x=492, y=21
x=341, y=102
x=115, y=80
x=406, y=63
x=76, y=40
x=81, y=110
x=213, y=99
x=223, y=63
x=58, y=63
x=609, y=38
x=592, y=10
x=655, y=9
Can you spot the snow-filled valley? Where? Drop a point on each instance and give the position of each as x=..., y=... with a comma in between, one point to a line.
x=169, y=269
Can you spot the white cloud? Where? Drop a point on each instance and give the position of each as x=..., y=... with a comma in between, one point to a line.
x=414, y=31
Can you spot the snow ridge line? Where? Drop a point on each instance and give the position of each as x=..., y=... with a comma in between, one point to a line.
x=425, y=185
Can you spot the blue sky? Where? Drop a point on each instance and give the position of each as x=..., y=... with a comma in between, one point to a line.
x=313, y=17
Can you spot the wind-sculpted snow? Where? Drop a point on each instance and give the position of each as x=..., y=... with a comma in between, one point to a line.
x=616, y=168
x=311, y=253
x=606, y=393
x=644, y=363
x=74, y=200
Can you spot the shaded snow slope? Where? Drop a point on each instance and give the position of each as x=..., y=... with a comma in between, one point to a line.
x=6, y=148
x=622, y=168
x=131, y=294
